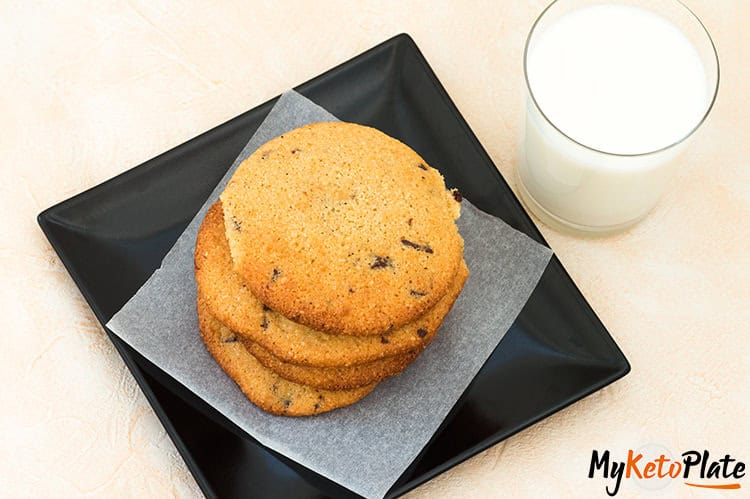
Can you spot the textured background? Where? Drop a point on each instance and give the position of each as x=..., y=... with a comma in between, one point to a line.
x=90, y=89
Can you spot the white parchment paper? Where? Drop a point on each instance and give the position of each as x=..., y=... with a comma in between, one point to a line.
x=367, y=446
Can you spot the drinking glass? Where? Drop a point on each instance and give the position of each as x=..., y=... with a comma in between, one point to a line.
x=568, y=183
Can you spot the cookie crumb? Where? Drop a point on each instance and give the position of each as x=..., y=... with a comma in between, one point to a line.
x=457, y=195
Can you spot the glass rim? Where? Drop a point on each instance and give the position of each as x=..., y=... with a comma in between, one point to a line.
x=590, y=148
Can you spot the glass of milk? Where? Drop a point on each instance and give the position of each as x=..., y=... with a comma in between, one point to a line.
x=615, y=90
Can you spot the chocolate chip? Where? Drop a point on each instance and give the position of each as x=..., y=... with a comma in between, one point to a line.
x=265, y=154
x=408, y=222
x=381, y=262
x=316, y=406
x=351, y=290
x=417, y=294
x=264, y=322
x=419, y=247
x=422, y=167
x=421, y=332
x=384, y=340
x=457, y=195
x=296, y=150
x=226, y=335
x=275, y=275
x=286, y=403
x=236, y=224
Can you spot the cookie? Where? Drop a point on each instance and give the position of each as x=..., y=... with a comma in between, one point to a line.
x=342, y=228
x=331, y=378
x=232, y=302
x=263, y=387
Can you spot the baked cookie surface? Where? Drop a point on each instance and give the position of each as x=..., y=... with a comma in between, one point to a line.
x=263, y=387
x=342, y=228
x=331, y=378
x=232, y=302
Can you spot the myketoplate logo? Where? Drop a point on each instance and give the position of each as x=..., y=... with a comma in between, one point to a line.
x=654, y=467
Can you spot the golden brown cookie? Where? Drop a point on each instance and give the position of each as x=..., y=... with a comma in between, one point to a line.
x=331, y=378
x=263, y=387
x=232, y=303
x=342, y=228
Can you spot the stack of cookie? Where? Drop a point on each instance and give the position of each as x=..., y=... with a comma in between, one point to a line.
x=327, y=265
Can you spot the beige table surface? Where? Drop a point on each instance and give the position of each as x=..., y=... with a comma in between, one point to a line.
x=91, y=89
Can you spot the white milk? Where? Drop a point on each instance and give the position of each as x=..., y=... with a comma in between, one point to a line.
x=618, y=79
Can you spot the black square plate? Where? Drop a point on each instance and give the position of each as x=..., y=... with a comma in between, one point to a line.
x=113, y=236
